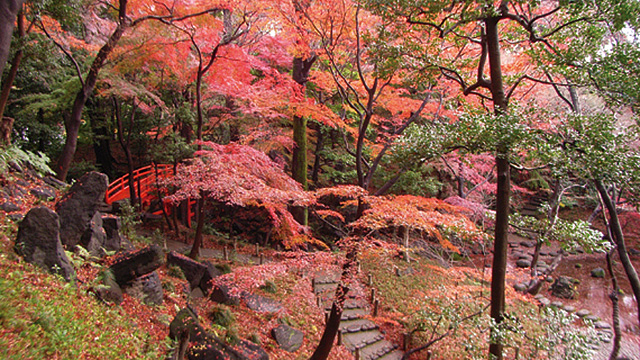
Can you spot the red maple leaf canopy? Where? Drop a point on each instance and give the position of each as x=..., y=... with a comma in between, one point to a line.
x=240, y=175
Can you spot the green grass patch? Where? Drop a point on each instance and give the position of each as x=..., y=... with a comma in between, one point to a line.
x=43, y=317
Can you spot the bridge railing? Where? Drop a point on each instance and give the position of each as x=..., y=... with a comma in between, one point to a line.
x=145, y=179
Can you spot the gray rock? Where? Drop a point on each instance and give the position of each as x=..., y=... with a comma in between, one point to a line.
x=9, y=206
x=111, y=225
x=557, y=304
x=583, y=312
x=38, y=241
x=79, y=204
x=597, y=273
x=569, y=308
x=109, y=291
x=288, y=338
x=563, y=288
x=192, y=270
x=526, y=257
x=52, y=181
x=43, y=193
x=222, y=294
x=602, y=325
x=528, y=244
x=94, y=237
x=134, y=264
x=210, y=273
x=544, y=301
x=262, y=304
x=522, y=287
x=147, y=288
x=522, y=263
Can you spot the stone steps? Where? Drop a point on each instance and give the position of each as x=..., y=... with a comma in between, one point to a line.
x=358, y=333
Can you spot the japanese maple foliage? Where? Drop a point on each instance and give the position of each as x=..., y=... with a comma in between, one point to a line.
x=241, y=175
x=428, y=215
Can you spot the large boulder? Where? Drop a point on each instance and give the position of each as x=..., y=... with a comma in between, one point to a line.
x=78, y=206
x=147, y=288
x=206, y=346
x=563, y=288
x=134, y=264
x=192, y=270
x=223, y=294
x=109, y=291
x=111, y=225
x=206, y=284
x=95, y=236
x=288, y=338
x=39, y=243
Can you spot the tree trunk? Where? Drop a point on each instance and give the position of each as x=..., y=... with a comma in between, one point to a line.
x=333, y=323
x=317, y=158
x=8, y=11
x=499, y=266
x=617, y=333
x=299, y=165
x=15, y=63
x=618, y=238
x=73, y=121
x=197, y=241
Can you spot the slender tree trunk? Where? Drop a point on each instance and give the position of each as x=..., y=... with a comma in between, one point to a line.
x=499, y=266
x=8, y=11
x=73, y=121
x=618, y=238
x=333, y=323
x=617, y=333
x=197, y=241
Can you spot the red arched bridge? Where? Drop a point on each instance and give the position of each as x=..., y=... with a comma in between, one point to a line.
x=145, y=180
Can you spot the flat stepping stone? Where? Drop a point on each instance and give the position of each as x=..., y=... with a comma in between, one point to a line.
x=357, y=325
x=583, y=312
x=522, y=263
x=376, y=350
x=528, y=244
x=557, y=304
x=393, y=355
x=602, y=325
x=352, y=314
x=592, y=318
x=544, y=301
x=361, y=339
x=569, y=308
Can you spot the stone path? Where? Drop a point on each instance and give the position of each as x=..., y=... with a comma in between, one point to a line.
x=358, y=334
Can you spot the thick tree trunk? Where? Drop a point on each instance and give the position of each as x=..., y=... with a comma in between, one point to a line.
x=8, y=11
x=499, y=266
x=73, y=121
x=299, y=165
x=15, y=63
x=618, y=238
x=317, y=158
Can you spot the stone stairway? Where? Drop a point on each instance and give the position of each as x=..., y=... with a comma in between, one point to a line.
x=358, y=334
x=533, y=204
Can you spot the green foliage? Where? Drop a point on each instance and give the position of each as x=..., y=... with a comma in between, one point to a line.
x=38, y=161
x=269, y=286
x=570, y=234
x=222, y=316
x=176, y=272
x=129, y=218
x=59, y=318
